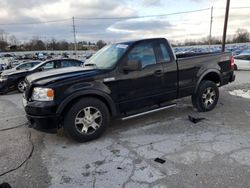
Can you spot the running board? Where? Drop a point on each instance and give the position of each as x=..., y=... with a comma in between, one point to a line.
x=149, y=112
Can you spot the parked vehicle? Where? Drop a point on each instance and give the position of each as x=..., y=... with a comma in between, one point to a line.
x=14, y=79
x=2, y=67
x=242, y=61
x=27, y=65
x=20, y=66
x=123, y=80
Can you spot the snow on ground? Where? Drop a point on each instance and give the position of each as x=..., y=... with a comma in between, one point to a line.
x=241, y=93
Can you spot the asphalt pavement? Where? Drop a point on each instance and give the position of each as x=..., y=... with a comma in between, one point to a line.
x=214, y=152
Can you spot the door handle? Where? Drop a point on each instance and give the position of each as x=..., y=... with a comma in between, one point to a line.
x=158, y=73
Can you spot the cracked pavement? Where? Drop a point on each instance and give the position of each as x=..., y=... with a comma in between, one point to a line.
x=212, y=153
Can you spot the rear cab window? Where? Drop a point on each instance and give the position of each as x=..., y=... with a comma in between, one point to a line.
x=163, y=52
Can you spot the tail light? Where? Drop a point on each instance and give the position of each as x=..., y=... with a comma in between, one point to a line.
x=232, y=62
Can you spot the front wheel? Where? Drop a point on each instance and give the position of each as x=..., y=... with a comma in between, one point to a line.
x=86, y=120
x=21, y=86
x=206, y=97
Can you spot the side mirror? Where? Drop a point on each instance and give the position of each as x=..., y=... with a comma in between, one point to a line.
x=132, y=65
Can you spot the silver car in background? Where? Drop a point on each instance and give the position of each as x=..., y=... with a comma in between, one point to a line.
x=242, y=61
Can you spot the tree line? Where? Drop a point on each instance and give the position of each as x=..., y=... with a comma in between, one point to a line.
x=11, y=43
x=240, y=36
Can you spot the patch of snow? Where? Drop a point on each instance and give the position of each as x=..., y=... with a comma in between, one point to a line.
x=241, y=93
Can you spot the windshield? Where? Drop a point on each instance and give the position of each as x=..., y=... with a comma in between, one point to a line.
x=107, y=56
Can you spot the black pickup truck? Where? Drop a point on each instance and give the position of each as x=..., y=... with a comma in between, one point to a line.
x=123, y=80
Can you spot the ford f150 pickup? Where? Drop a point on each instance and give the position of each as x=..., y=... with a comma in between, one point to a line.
x=123, y=80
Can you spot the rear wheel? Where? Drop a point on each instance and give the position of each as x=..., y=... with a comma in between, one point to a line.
x=86, y=120
x=206, y=97
x=21, y=86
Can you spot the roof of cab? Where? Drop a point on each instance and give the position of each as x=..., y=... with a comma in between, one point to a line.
x=139, y=40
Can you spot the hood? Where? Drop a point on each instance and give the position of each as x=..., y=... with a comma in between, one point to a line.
x=13, y=71
x=50, y=76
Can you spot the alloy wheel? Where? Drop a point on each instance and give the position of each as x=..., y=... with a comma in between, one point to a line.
x=88, y=120
x=208, y=97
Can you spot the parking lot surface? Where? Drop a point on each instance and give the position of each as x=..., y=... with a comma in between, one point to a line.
x=214, y=152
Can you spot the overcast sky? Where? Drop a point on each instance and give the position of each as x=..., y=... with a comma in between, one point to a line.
x=175, y=27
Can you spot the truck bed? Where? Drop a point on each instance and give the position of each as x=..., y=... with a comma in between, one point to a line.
x=192, y=66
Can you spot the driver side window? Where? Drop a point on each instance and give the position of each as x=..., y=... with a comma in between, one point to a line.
x=144, y=53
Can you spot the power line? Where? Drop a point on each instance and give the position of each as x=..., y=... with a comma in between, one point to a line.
x=105, y=18
x=233, y=8
x=146, y=16
x=115, y=18
x=34, y=23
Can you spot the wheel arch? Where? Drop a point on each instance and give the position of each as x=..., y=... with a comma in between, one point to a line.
x=211, y=75
x=70, y=100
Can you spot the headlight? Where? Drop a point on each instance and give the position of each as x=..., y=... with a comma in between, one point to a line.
x=3, y=78
x=42, y=94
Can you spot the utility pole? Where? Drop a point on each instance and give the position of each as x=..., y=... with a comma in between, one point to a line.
x=211, y=24
x=225, y=26
x=74, y=31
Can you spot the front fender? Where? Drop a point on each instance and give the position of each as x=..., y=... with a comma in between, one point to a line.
x=92, y=92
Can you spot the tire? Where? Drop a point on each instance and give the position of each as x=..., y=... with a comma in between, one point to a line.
x=206, y=97
x=86, y=120
x=20, y=86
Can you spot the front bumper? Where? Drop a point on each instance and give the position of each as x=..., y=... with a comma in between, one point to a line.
x=41, y=115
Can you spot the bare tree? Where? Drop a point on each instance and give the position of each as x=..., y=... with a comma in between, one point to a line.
x=13, y=40
x=3, y=41
x=100, y=44
x=241, y=35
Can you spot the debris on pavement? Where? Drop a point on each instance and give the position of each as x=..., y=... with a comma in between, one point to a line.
x=5, y=185
x=195, y=120
x=159, y=160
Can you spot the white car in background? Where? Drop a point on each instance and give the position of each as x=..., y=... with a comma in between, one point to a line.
x=242, y=61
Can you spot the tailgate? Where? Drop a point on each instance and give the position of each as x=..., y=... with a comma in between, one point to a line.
x=225, y=62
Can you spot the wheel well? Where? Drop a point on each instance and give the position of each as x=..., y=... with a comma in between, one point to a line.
x=84, y=96
x=20, y=79
x=212, y=76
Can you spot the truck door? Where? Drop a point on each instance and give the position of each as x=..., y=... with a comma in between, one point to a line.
x=170, y=71
x=137, y=89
